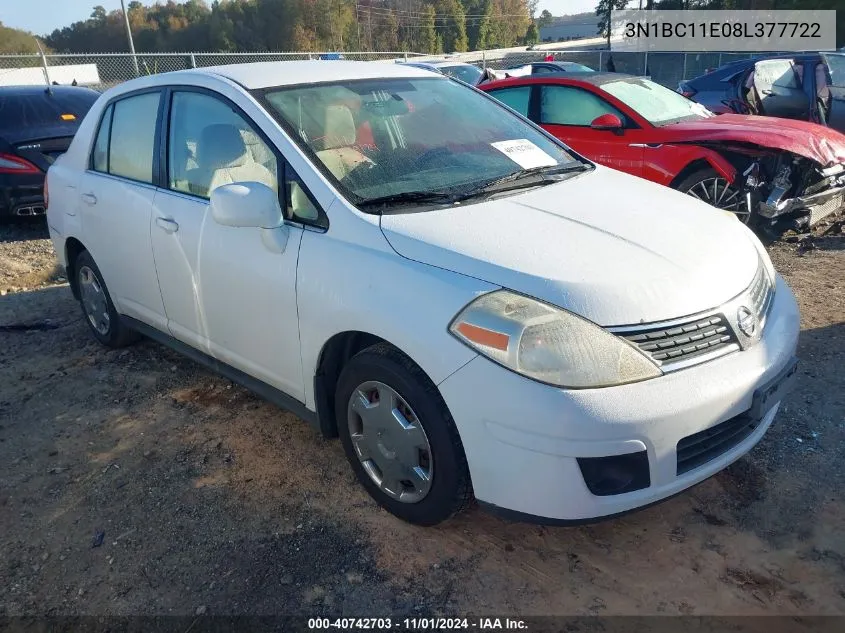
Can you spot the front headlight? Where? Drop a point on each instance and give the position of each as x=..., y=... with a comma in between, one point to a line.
x=548, y=344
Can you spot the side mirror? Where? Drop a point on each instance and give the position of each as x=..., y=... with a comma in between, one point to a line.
x=609, y=122
x=246, y=204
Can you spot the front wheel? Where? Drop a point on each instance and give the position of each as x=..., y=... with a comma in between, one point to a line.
x=709, y=187
x=400, y=438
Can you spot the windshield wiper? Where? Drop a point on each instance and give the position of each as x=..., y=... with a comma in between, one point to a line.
x=547, y=175
x=408, y=197
x=496, y=185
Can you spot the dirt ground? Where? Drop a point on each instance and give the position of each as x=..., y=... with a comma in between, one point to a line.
x=134, y=482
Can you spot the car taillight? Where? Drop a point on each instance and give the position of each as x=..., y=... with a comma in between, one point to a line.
x=46, y=194
x=688, y=93
x=10, y=164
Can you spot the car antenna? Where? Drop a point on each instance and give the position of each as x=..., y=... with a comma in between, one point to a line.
x=44, y=65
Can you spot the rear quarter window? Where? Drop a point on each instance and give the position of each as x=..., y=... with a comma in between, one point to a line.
x=40, y=109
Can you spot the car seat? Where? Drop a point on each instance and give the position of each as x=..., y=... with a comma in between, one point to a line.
x=339, y=153
x=223, y=158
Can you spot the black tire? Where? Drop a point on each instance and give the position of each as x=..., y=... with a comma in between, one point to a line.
x=118, y=334
x=699, y=177
x=451, y=489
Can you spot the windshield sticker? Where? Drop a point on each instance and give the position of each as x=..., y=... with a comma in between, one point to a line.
x=524, y=153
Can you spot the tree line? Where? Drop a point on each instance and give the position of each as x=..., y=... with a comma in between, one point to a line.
x=426, y=26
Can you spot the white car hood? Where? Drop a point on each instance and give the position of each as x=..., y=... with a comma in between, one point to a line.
x=613, y=248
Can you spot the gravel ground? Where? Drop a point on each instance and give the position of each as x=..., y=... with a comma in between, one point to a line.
x=134, y=482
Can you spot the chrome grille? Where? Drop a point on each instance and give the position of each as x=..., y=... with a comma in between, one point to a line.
x=683, y=340
x=760, y=294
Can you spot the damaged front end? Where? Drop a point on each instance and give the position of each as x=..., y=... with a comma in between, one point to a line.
x=790, y=191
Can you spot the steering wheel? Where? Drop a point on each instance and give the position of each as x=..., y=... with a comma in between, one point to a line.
x=739, y=107
x=429, y=154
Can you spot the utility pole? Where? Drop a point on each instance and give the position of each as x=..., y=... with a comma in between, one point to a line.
x=129, y=35
x=358, y=23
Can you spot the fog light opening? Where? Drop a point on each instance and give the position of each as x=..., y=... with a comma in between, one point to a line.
x=615, y=474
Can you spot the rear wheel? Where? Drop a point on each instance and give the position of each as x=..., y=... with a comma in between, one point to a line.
x=400, y=438
x=97, y=306
x=710, y=187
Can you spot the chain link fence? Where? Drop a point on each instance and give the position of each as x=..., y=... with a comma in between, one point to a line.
x=101, y=71
x=668, y=69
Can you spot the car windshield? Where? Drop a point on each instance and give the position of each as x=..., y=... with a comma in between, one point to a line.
x=383, y=138
x=657, y=104
x=466, y=73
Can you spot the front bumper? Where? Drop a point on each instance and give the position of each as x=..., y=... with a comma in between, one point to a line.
x=523, y=439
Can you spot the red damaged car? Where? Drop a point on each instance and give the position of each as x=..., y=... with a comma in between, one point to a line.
x=770, y=172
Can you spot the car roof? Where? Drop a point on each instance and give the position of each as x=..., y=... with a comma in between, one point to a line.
x=24, y=91
x=445, y=63
x=594, y=78
x=555, y=62
x=267, y=74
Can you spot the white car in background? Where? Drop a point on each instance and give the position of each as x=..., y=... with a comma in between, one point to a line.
x=403, y=261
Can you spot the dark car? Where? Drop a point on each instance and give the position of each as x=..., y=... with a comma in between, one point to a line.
x=804, y=86
x=37, y=125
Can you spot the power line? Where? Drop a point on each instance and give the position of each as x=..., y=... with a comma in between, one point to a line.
x=399, y=13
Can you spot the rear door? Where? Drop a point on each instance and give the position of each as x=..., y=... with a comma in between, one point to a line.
x=835, y=101
x=116, y=196
x=778, y=84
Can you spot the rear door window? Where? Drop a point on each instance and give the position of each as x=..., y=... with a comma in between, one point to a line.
x=835, y=69
x=100, y=156
x=776, y=72
x=133, y=132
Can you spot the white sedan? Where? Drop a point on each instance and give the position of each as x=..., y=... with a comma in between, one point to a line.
x=405, y=262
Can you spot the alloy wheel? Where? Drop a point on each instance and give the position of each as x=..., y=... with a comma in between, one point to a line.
x=719, y=193
x=390, y=442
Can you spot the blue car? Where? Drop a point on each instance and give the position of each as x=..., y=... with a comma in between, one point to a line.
x=802, y=86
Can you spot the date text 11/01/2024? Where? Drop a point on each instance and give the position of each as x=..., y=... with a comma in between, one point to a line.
x=741, y=30
x=417, y=624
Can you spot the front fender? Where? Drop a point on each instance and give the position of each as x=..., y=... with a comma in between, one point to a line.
x=361, y=284
x=664, y=164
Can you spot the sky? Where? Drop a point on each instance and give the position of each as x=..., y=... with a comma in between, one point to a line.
x=42, y=16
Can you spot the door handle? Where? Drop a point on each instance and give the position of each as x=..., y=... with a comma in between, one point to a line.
x=166, y=225
x=766, y=92
x=89, y=198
